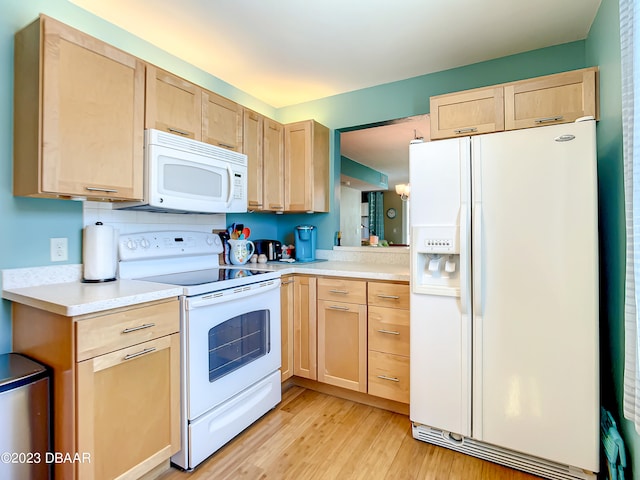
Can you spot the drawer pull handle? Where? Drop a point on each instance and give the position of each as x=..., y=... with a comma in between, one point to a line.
x=179, y=132
x=226, y=145
x=96, y=189
x=287, y=282
x=390, y=297
x=338, y=307
x=140, y=353
x=341, y=292
x=389, y=332
x=391, y=379
x=549, y=119
x=466, y=130
x=139, y=327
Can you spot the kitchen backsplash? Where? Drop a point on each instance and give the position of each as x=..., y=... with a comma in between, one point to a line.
x=130, y=221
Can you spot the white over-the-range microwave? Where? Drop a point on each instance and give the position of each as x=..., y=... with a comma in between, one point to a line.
x=182, y=175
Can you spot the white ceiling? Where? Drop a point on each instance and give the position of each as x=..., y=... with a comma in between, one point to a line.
x=285, y=52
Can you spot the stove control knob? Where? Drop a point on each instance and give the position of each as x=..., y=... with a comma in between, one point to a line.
x=209, y=240
x=131, y=244
x=144, y=243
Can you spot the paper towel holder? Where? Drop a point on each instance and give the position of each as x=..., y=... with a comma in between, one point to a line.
x=97, y=280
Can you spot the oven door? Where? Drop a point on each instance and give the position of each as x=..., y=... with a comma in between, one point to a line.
x=179, y=180
x=233, y=341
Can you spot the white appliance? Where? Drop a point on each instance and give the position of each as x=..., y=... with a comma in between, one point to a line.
x=182, y=175
x=229, y=330
x=504, y=298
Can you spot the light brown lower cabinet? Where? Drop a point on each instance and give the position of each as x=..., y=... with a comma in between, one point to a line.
x=388, y=333
x=286, y=326
x=304, y=327
x=116, y=385
x=342, y=344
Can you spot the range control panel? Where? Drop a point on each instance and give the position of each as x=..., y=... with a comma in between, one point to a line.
x=138, y=246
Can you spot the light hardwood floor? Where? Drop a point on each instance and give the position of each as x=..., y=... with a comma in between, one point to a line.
x=310, y=435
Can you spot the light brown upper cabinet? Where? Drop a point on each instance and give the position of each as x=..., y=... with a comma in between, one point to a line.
x=78, y=115
x=263, y=143
x=273, y=164
x=306, y=167
x=559, y=98
x=467, y=113
x=252, y=148
x=172, y=104
x=221, y=121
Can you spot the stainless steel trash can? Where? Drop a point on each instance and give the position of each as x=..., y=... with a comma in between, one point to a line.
x=24, y=417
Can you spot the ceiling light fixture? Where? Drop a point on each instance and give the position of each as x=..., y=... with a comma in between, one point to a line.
x=403, y=189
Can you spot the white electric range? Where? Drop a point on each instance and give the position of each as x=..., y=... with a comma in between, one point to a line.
x=230, y=334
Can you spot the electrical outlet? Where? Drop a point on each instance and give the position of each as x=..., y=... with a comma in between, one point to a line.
x=59, y=249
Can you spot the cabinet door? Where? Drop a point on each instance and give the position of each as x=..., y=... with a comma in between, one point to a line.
x=306, y=167
x=253, y=149
x=286, y=327
x=172, y=104
x=342, y=344
x=79, y=106
x=560, y=98
x=304, y=328
x=467, y=113
x=128, y=409
x=221, y=121
x=273, y=174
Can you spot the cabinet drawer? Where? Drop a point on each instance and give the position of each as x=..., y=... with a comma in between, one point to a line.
x=338, y=290
x=393, y=295
x=99, y=335
x=389, y=376
x=389, y=330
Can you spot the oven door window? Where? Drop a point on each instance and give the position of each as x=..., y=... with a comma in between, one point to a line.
x=237, y=342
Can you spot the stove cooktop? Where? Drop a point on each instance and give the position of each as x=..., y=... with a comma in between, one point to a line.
x=213, y=279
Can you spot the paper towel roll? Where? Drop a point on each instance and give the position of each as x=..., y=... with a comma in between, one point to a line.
x=99, y=253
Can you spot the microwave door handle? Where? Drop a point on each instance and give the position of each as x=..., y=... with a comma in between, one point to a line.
x=230, y=172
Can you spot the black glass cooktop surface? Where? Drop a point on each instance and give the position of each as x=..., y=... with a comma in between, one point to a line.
x=203, y=277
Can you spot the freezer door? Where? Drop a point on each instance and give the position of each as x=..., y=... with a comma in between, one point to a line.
x=536, y=292
x=440, y=394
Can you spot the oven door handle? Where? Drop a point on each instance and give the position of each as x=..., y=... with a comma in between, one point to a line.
x=232, y=294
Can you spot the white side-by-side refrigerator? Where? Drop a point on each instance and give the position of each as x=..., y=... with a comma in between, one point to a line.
x=504, y=298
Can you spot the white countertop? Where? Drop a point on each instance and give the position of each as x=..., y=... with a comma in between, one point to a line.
x=368, y=271
x=72, y=298
x=77, y=298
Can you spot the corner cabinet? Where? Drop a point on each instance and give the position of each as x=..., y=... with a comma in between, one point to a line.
x=306, y=164
x=78, y=115
x=116, y=385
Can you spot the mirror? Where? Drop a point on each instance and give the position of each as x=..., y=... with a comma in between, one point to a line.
x=375, y=158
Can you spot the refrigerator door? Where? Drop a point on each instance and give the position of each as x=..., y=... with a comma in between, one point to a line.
x=536, y=292
x=440, y=347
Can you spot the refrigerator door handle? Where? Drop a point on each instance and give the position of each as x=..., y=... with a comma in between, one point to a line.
x=464, y=256
x=477, y=259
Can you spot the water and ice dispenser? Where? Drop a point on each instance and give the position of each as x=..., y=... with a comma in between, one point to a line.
x=436, y=259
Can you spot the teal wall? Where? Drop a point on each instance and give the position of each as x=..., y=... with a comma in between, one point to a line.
x=27, y=224
x=603, y=49
x=362, y=172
